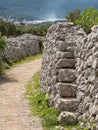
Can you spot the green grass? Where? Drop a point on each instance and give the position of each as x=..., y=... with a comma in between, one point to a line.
x=39, y=105
x=26, y=59
x=10, y=64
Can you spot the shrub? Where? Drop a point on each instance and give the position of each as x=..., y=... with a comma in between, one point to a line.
x=2, y=46
x=7, y=28
x=39, y=30
x=11, y=29
x=72, y=16
x=87, y=19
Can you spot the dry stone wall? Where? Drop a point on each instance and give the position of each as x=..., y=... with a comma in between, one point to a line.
x=70, y=73
x=87, y=78
x=21, y=46
x=58, y=75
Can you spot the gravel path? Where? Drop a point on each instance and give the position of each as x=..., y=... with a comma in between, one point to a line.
x=14, y=109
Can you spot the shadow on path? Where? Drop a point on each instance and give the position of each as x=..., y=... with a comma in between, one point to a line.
x=6, y=79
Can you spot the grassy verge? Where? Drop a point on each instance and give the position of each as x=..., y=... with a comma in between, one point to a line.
x=27, y=59
x=40, y=106
x=10, y=64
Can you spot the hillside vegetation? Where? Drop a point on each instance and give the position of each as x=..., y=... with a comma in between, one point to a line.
x=11, y=29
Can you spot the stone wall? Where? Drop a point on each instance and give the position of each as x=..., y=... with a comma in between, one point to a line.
x=70, y=73
x=87, y=78
x=22, y=46
x=58, y=75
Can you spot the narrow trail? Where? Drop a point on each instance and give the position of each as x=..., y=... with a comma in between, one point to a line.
x=14, y=109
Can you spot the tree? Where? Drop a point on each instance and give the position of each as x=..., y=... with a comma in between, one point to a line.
x=87, y=19
x=72, y=16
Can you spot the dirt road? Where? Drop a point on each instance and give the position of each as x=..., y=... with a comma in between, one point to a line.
x=14, y=109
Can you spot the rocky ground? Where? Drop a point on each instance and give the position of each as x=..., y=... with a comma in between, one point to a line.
x=14, y=109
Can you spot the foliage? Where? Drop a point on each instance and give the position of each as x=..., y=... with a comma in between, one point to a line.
x=2, y=46
x=11, y=29
x=88, y=18
x=7, y=28
x=2, y=43
x=39, y=30
x=72, y=16
x=39, y=103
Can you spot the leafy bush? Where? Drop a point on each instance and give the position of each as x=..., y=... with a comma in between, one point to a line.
x=2, y=46
x=7, y=28
x=39, y=30
x=87, y=19
x=11, y=29
x=72, y=16
x=2, y=43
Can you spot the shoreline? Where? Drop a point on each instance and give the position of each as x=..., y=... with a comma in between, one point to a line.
x=34, y=22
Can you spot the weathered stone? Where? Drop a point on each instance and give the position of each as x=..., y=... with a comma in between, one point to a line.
x=66, y=89
x=68, y=55
x=96, y=72
x=60, y=37
x=61, y=46
x=87, y=77
x=94, y=111
x=62, y=128
x=63, y=43
x=21, y=46
x=67, y=117
x=66, y=63
x=70, y=104
x=67, y=75
x=95, y=64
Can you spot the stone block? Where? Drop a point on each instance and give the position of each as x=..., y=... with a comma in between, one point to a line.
x=94, y=110
x=67, y=104
x=61, y=46
x=64, y=55
x=67, y=117
x=67, y=75
x=66, y=63
x=66, y=89
x=60, y=37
